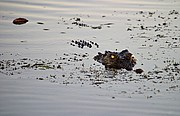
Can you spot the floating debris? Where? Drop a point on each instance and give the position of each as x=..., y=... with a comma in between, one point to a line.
x=40, y=23
x=96, y=27
x=46, y=29
x=139, y=71
x=79, y=22
x=173, y=12
x=40, y=78
x=20, y=21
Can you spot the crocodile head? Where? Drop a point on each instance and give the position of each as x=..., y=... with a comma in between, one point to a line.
x=116, y=60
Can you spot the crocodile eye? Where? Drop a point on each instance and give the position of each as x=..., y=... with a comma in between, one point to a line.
x=112, y=56
x=132, y=57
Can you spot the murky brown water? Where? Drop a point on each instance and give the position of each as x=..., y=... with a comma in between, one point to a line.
x=42, y=71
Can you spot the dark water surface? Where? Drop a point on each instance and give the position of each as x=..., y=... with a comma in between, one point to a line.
x=43, y=72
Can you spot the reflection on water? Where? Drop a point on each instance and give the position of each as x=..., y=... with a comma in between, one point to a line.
x=59, y=76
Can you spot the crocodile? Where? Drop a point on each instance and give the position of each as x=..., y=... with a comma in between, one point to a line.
x=116, y=60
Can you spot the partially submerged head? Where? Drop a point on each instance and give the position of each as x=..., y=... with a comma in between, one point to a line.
x=111, y=60
x=117, y=60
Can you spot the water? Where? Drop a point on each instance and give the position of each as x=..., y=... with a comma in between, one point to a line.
x=81, y=86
